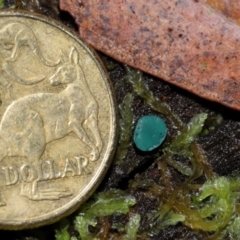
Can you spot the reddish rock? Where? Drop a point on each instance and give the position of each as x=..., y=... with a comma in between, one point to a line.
x=184, y=42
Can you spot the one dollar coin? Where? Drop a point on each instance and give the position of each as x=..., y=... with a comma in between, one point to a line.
x=57, y=121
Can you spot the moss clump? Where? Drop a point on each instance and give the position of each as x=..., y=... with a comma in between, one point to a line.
x=182, y=142
x=184, y=145
x=102, y=205
x=125, y=128
x=213, y=208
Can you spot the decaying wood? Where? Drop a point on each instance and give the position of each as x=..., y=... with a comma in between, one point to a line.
x=184, y=42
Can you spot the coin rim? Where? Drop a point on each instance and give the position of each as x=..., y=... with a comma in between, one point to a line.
x=113, y=139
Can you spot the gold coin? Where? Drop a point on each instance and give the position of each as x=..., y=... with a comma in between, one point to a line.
x=57, y=121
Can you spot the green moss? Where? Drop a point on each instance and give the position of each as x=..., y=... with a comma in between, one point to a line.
x=233, y=230
x=184, y=145
x=132, y=227
x=212, y=208
x=162, y=218
x=136, y=79
x=216, y=202
x=1, y=4
x=125, y=128
x=200, y=163
x=81, y=225
x=62, y=233
x=102, y=204
x=181, y=144
x=182, y=168
x=107, y=203
x=212, y=122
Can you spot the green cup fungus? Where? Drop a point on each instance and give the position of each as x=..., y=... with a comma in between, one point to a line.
x=149, y=133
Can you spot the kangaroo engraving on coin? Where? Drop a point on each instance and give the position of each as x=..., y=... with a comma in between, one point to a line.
x=57, y=121
x=14, y=35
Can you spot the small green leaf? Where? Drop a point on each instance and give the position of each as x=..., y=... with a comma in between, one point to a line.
x=182, y=142
x=234, y=229
x=132, y=227
x=182, y=168
x=161, y=219
x=62, y=233
x=82, y=223
x=172, y=219
x=73, y=238
x=126, y=124
x=102, y=204
x=107, y=203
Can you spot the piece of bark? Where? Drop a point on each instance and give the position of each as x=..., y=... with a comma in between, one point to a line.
x=184, y=42
x=230, y=8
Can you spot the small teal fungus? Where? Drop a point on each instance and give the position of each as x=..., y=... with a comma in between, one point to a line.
x=149, y=133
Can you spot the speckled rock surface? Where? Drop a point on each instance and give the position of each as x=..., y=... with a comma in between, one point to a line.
x=184, y=42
